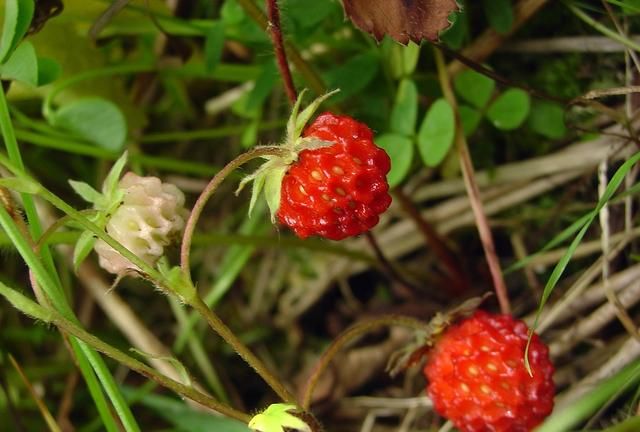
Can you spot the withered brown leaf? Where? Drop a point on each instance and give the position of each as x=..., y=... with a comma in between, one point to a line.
x=402, y=20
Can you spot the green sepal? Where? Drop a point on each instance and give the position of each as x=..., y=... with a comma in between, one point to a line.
x=292, y=122
x=83, y=247
x=303, y=118
x=111, y=197
x=111, y=181
x=258, y=184
x=276, y=418
x=86, y=191
x=176, y=281
x=272, y=188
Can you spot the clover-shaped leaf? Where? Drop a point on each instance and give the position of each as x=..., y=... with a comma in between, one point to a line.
x=276, y=418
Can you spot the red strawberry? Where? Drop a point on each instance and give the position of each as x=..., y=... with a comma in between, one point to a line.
x=478, y=380
x=330, y=182
x=336, y=191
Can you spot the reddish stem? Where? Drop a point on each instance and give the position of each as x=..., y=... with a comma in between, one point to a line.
x=468, y=174
x=407, y=289
x=433, y=239
x=275, y=30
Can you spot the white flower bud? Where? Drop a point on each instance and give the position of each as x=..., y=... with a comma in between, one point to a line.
x=151, y=216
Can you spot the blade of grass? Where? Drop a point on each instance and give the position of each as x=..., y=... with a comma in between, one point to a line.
x=59, y=302
x=613, y=185
x=46, y=414
x=571, y=417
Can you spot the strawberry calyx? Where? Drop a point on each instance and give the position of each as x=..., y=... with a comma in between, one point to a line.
x=267, y=179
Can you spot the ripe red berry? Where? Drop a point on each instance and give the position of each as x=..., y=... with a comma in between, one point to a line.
x=338, y=190
x=478, y=380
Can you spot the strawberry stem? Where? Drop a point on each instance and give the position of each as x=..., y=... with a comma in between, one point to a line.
x=473, y=191
x=210, y=189
x=196, y=301
x=241, y=349
x=346, y=337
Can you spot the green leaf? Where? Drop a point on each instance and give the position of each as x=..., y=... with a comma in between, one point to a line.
x=263, y=85
x=186, y=419
x=86, y=191
x=470, y=119
x=458, y=32
x=276, y=418
x=22, y=65
x=25, y=66
x=48, y=70
x=354, y=75
x=436, y=133
x=400, y=149
x=249, y=136
x=231, y=12
x=509, y=110
x=547, y=119
x=474, y=87
x=83, y=248
x=213, y=45
x=21, y=184
x=410, y=57
x=95, y=119
x=499, y=13
x=17, y=19
x=405, y=109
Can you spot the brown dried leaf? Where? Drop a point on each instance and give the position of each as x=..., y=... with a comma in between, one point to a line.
x=402, y=20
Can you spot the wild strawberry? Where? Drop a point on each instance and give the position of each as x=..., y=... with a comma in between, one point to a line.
x=478, y=379
x=336, y=191
x=332, y=180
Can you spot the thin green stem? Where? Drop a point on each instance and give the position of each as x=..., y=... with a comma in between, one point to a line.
x=47, y=275
x=52, y=316
x=199, y=354
x=120, y=69
x=346, y=337
x=473, y=192
x=601, y=28
x=207, y=193
x=53, y=295
x=205, y=134
x=95, y=389
x=71, y=145
x=219, y=327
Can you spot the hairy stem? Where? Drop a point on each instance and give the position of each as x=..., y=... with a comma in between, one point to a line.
x=52, y=316
x=219, y=327
x=208, y=192
x=275, y=30
x=473, y=191
x=347, y=336
x=196, y=301
x=310, y=76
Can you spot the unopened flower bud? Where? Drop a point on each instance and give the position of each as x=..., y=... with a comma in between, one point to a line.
x=151, y=216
